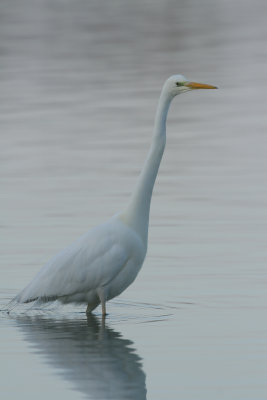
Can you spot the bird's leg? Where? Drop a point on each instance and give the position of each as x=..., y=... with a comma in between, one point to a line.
x=91, y=307
x=102, y=298
x=88, y=309
x=103, y=304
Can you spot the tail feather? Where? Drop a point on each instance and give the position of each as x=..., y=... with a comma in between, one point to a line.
x=16, y=301
x=12, y=304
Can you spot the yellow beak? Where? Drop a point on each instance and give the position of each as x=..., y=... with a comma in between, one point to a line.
x=195, y=85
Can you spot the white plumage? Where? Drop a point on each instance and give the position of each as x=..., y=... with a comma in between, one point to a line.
x=105, y=261
x=108, y=256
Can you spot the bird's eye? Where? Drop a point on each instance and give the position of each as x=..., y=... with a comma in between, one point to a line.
x=179, y=83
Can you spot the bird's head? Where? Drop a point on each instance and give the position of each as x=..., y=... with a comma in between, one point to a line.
x=178, y=84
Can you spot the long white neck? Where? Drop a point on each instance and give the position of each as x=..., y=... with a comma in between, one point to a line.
x=137, y=212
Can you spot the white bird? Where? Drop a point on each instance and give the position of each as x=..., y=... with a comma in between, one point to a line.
x=102, y=263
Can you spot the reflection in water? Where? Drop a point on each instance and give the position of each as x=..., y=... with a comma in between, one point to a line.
x=92, y=356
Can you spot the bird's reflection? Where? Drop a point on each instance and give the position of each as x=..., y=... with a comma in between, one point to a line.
x=90, y=355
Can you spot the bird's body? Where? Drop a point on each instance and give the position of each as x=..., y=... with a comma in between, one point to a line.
x=105, y=261
x=102, y=262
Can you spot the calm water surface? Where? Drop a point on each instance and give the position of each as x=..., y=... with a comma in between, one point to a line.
x=79, y=87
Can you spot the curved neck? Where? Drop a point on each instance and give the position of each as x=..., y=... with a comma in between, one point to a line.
x=137, y=212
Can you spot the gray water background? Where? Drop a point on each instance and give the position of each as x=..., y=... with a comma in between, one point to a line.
x=79, y=84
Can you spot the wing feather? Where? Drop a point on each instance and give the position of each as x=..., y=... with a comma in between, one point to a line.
x=91, y=261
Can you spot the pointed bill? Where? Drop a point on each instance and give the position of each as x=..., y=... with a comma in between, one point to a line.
x=196, y=85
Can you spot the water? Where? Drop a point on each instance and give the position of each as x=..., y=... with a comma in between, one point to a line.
x=79, y=87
